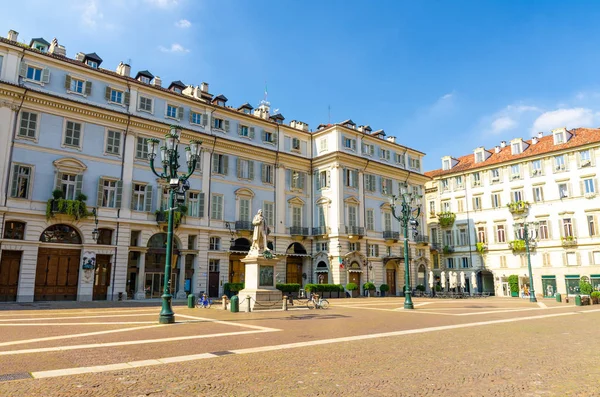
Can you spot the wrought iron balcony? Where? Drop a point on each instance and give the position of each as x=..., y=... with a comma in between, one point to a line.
x=422, y=239
x=435, y=246
x=448, y=249
x=355, y=231
x=298, y=231
x=320, y=231
x=243, y=226
x=390, y=235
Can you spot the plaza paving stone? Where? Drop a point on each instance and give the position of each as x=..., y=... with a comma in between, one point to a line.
x=553, y=354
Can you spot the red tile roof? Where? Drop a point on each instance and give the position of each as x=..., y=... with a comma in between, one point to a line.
x=580, y=137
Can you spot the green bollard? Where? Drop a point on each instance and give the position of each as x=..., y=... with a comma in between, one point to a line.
x=577, y=300
x=191, y=301
x=235, y=304
x=558, y=297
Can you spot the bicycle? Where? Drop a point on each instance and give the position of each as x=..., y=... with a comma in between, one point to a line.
x=205, y=302
x=317, y=304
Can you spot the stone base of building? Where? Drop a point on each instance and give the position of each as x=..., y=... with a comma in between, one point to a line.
x=260, y=299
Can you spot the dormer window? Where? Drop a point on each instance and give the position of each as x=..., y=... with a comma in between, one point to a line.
x=220, y=103
x=39, y=44
x=479, y=157
x=144, y=79
x=177, y=90
x=446, y=164
x=246, y=111
x=92, y=64
x=516, y=148
x=559, y=137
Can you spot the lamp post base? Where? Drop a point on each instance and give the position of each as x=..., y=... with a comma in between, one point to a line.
x=532, y=298
x=408, y=301
x=166, y=315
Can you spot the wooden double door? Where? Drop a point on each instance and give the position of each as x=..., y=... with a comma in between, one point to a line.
x=391, y=280
x=102, y=277
x=57, y=274
x=9, y=275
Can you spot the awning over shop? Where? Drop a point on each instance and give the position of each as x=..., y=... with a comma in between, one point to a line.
x=321, y=270
x=548, y=277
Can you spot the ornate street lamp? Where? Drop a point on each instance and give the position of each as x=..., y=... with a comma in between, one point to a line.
x=409, y=213
x=95, y=232
x=528, y=232
x=177, y=184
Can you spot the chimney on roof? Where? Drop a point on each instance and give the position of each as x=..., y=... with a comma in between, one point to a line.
x=497, y=149
x=156, y=81
x=56, y=48
x=503, y=144
x=540, y=135
x=79, y=57
x=204, y=87
x=123, y=69
x=391, y=139
x=12, y=35
x=299, y=125
x=534, y=140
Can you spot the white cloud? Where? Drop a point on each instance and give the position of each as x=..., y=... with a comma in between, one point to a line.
x=175, y=48
x=502, y=123
x=183, y=24
x=163, y=3
x=91, y=15
x=447, y=96
x=570, y=118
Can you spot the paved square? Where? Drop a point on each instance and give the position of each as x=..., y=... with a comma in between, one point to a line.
x=470, y=347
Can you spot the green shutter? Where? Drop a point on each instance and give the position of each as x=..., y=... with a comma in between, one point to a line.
x=239, y=129
x=201, y=204
x=345, y=177
x=148, y=198
x=226, y=125
x=99, y=196
x=180, y=113
x=328, y=173
x=251, y=132
x=275, y=137
x=225, y=164
x=78, y=184
x=15, y=181
x=263, y=135
x=67, y=82
x=204, y=119
x=23, y=69
x=215, y=163
x=190, y=117
x=239, y=167
x=301, y=178
x=58, y=181
x=107, y=93
x=263, y=172
x=126, y=97
x=119, y=197
x=45, y=75
x=251, y=170
x=132, y=204
x=88, y=88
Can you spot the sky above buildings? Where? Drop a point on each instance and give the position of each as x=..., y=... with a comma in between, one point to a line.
x=444, y=77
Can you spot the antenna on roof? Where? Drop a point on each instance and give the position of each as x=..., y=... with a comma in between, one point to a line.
x=129, y=61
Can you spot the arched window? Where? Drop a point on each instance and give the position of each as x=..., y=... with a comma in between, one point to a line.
x=14, y=230
x=62, y=234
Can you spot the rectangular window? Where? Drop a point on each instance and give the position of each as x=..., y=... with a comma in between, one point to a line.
x=73, y=134
x=116, y=96
x=559, y=163
x=515, y=171
x=592, y=228
x=500, y=234
x=445, y=185
x=536, y=167
x=268, y=213
x=139, y=198
x=460, y=204
x=220, y=164
x=268, y=137
x=585, y=158
x=350, y=143
x=21, y=181
x=516, y=195
x=450, y=263
x=195, y=118
x=321, y=216
x=385, y=154
x=373, y=250
x=322, y=180
x=462, y=236
x=538, y=194
x=193, y=204
x=477, y=203
x=214, y=244
x=244, y=210
x=446, y=164
x=76, y=85
x=387, y=221
x=446, y=206
x=370, y=183
x=431, y=209
x=567, y=227
x=245, y=169
x=559, y=138
x=563, y=190
x=495, y=174
x=295, y=144
x=353, y=246
x=370, y=220
x=415, y=164
x=296, y=216
x=218, y=123
x=244, y=131
x=476, y=179
x=479, y=157
x=216, y=210
x=386, y=186
x=172, y=111
x=352, y=218
x=34, y=73
x=481, y=235
x=213, y=265
x=351, y=178
x=145, y=104
x=322, y=247
x=297, y=180
x=516, y=148
x=459, y=182
x=113, y=142
x=109, y=193
x=400, y=160
x=543, y=230
x=141, y=148
x=496, y=201
x=267, y=173
x=464, y=262
x=588, y=186
x=323, y=145
x=68, y=186
x=447, y=238
x=28, y=125
x=368, y=149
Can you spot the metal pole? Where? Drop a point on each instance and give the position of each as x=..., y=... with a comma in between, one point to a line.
x=531, y=289
x=166, y=314
x=405, y=218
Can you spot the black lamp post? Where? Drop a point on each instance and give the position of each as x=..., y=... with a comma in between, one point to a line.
x=409, y=212
x=528, y=232
x=177, y=184
x=95, y=232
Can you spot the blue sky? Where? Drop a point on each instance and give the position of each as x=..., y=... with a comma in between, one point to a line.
x=444, y=77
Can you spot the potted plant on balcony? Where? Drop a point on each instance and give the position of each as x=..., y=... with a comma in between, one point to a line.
x=59, y=205
x=481, y=248
x=447, y=249
x=513, y=283
x=353, y=288
x=517, y=245
x=369, y=288
x=384, y=288
x=518, y=207
x=446, y=218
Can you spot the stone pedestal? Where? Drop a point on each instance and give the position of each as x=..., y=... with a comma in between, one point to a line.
x=260, y=284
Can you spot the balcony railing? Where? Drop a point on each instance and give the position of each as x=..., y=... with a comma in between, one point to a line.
x=298, y=231
x=355, y=231
x=421, y=239
x=436, y=246
x=448, y=249
x=243, y=225
x=320, y=231
x=519, y=245
x=569, y=241
x=390, y=235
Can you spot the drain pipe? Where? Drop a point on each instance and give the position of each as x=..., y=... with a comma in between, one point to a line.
x=207, y=198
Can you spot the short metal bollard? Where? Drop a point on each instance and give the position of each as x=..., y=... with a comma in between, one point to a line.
x=224, y=302
x=285, y=303
x=235, y=304
x=558, y=297
x=191, y=301
x=577, y=300
x=248, y=309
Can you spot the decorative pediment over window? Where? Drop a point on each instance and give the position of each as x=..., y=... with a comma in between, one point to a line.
x=352, y=200
x=69, y=165
x=385, y=207
x=296, y=201
x=244, y=192
x=355, y=257
x=323, y=201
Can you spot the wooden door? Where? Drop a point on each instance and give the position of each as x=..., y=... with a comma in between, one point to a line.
x=391, y=280
x=57, y=274
x=213, y=284
x=355, y=278
x=9, y=275
x=237, y=270
x=293, y=273
x=102, y=277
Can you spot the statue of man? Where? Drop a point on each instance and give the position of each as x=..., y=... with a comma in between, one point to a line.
x=259, y=238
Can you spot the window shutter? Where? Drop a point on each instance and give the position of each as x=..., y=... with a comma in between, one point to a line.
x=376, y=249
x=148, y=204
x=107, y=93
x=345, y=177
x=251, y=132
x=251, y=170
x=368, y=183
x=372, y=150
x=263, y=172
x=239, y=129
x=301, y=180
x=574, y=226
x=581, y=187
x=180, y=112
x=88, y=88
x=204, y=119
x=15, y=181
x=201, y=204
x=57, y=181
x=564, y=256
x=126, y=97
x=78, y=184
x=100, y=191
x=263, y=135
x=226, y=122
x=271, y=171
x=67, y=82
x=190, y=117
x=275, y=137
x=132, y=204
x=239, y=167
x=355, y=179
x=225, y=164
x=46, y=75
x=354, y=145
x=119, y=196
x=23, y=69
x=591, y=258
x=215, y=163
x=549, y=229
x=317, y=184
x=328, y=178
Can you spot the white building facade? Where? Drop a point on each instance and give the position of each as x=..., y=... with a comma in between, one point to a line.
x=474, y=202
x=76, y=136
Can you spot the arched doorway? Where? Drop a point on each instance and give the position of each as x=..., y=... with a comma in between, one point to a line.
x=156, y=257
x=485, y=283
x=237, y=269
x=322, y=273
x=390, y=276
x=57, y=269
x=354, y=276
x=294, y=259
